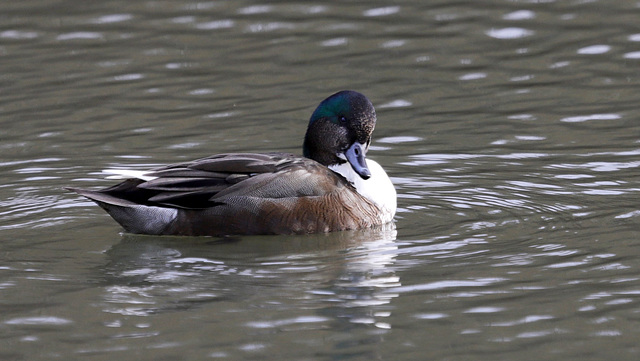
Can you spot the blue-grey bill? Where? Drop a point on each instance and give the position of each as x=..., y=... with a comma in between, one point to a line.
x=355, y=156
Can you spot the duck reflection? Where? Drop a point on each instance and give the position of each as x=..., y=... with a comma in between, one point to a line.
x=335, y=277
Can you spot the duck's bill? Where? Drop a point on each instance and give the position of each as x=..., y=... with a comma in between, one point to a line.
x=355, y=156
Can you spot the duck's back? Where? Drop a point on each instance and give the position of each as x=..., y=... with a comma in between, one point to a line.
x=238, y=193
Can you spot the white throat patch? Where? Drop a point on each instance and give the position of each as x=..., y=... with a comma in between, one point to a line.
x=378, y=189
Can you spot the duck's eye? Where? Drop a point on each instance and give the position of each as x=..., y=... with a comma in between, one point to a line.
x=343, y=119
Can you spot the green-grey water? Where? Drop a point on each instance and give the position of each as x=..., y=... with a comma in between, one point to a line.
x=509, y=128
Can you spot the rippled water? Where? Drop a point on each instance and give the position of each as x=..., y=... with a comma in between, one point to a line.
x=510, y=129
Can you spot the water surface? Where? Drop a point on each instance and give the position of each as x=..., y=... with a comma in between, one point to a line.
x=509, y=128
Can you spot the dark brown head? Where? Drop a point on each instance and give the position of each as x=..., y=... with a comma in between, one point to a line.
x=340, y=131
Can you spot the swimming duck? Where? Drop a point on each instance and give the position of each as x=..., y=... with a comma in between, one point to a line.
x=332, y=188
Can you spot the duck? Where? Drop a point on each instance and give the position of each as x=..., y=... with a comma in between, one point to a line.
x=331, y=187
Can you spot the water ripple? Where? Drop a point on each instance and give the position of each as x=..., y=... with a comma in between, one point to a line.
x=584, y=118
x=383, y=11
x=19, y=34
x=39, y=321
x=509, y=131
x=214, y=25
x=81, y=35
x=113, y=18
x=509, y=33
x=440, y=285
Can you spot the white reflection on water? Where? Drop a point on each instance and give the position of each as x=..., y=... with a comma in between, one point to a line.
x=398, y=103
x=19, y=34
x=148, y=277
x=38, y=321
x=80, y=35
x=584, y=118
x=473, y=76
x=114, y=18
x=216, y=24
x=520, y=15
x=384, y=11
x=335, y=42
x=594, y=49
x=509, y=33
x=455, y=284
x=255, y=9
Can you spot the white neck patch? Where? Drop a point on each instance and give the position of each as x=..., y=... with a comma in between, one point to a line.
x=378, y=188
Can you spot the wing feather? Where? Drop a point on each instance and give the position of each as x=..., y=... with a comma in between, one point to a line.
x=218, y=179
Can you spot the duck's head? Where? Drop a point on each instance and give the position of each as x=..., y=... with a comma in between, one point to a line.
x=340, y=130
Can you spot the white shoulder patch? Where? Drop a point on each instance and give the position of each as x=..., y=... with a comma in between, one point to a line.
x=127, y=173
